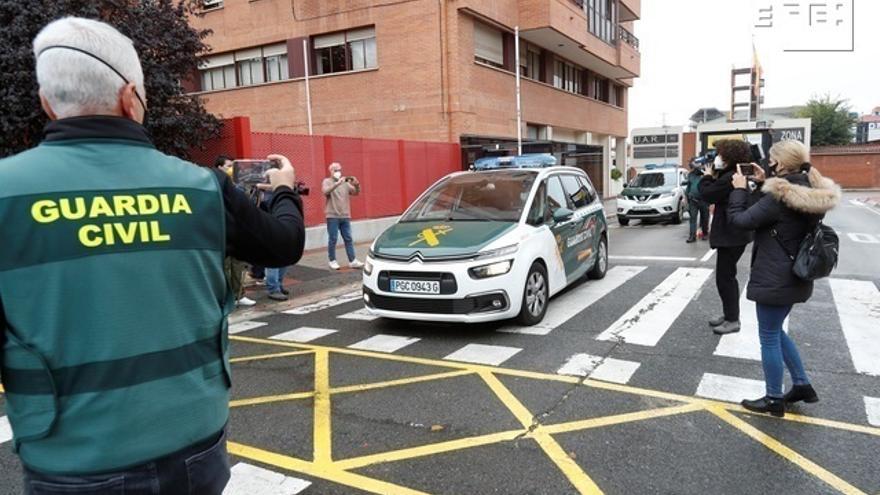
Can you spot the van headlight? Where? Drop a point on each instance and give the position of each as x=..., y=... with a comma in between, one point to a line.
x=491, y=270
x=368, y=266
x=505, y=251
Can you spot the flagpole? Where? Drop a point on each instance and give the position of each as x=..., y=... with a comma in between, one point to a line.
x=308, y=88
x=518, y=93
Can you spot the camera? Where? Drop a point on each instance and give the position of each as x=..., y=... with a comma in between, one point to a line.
x=301, y=188
x=706, y=158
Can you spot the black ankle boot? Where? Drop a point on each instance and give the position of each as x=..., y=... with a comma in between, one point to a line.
x=801, y=393
x=771, y=405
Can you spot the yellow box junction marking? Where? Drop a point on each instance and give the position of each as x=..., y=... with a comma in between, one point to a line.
x=323, y=466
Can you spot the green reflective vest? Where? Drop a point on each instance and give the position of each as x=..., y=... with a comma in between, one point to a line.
x=112, y=284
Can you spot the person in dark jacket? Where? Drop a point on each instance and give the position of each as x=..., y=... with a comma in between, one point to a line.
x=120, y=380
x=727, y=239
x=697, y=208
x=790, y=207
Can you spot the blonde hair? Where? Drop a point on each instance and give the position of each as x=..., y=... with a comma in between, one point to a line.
x=789, y=155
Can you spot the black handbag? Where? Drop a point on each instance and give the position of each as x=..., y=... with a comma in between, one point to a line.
x=817, y=254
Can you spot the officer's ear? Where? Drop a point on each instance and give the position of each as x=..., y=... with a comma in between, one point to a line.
x=47, y=108
x=129, y=102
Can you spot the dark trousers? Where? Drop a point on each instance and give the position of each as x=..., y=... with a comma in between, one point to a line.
x=725, y=280
x=200, y=469
x=701, y=209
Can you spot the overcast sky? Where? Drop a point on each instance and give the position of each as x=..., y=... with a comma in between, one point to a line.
x=689, y=46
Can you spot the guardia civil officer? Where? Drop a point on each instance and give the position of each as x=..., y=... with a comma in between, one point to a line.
x=113, y=300
x=727, y=239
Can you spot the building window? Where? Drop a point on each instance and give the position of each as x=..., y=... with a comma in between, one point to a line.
x=346, y=51
x=218, y=72
x=249, y=64
x=530, y=61
x=212, y=4
x=602, y=19
x=599, y=88
x=617, y=95
x=245, y=67
x=568, y=77
x=488, y=45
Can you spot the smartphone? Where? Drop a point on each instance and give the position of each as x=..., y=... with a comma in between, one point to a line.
x=746, y=168
x=251, y=172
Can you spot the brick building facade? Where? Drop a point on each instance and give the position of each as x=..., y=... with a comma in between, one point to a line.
x=436, y=70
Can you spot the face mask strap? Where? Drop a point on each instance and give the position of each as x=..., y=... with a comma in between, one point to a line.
x=99, y=59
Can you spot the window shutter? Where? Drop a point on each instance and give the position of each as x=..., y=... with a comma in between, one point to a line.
x=361, y=34
x=248, y=54
x=272, y=50
x=488, y=43
x=216, y=61
x=328, y=40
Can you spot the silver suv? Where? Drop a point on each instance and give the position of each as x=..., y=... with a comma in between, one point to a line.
x=656, y=193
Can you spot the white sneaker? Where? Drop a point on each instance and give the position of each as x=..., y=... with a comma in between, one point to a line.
x=334, y=265
x=355, y=264
x=246, y=301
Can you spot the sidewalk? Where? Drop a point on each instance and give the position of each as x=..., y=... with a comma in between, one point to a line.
x=312, y=280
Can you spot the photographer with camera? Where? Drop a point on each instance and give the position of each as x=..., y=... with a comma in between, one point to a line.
x=730, y=242
x=124, y=382
x=697, y=208
x=337, y=190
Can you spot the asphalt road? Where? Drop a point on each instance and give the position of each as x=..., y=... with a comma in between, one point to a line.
x=622, y=390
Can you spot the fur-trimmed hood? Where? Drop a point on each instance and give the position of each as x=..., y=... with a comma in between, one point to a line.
x=807, y=192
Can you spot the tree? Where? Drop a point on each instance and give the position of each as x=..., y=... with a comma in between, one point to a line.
x=168, y=47
x=832, y=122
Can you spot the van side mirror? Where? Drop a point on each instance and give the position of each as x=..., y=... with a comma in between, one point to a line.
x=562, y=215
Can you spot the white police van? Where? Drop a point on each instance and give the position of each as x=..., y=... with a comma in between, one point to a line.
x=656, y=193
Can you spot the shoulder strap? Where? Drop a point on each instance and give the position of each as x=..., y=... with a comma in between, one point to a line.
x=774, y=234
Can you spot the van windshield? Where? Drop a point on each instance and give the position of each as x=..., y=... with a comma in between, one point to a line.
x=483, y=196
x=654, y=179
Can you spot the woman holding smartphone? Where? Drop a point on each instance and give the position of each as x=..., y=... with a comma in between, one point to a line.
x=791, y=204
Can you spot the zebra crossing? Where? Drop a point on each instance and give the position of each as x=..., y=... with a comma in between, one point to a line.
x=657, y=315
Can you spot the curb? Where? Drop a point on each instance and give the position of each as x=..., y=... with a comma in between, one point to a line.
x=269, y=309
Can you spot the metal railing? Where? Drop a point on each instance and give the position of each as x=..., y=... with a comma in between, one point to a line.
x=627, y=37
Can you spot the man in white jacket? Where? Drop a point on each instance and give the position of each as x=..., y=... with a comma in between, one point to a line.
x=338, y=190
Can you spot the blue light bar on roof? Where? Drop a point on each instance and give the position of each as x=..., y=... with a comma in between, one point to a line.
x=532, y=160
x=654, y=166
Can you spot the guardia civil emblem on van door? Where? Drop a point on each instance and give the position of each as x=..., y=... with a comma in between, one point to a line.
x=431, y=236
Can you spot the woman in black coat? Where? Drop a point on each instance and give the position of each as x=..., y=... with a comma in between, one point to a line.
x=729, y=241
x=791, y=205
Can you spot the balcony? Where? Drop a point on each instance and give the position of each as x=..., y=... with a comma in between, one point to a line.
x=623, y=35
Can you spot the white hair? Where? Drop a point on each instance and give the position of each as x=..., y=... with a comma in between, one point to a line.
x=76, y=84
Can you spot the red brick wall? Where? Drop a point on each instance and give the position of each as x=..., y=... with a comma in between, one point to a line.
x=853, y=171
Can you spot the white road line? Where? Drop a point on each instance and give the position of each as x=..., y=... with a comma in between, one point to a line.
x=746, y=343
x=708, y=255
x=304, y=334
x=244, y=326
x=359, y=315
x=597, y=368
x=5, y=430
x=326, y=303
x=863, y=238
x=483, y=354
x=650, y=258
x=867, y=207
x=567, y=306
x=730, y=388
x=647, y=321
x=872, y=407
x=384, y=343
x=858, y=306
x=252, y=480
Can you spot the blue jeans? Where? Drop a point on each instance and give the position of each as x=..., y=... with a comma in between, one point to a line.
x=340, y=226
x=778, y=348
x=199, y=469
x=698, y=208
x=275, y=279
